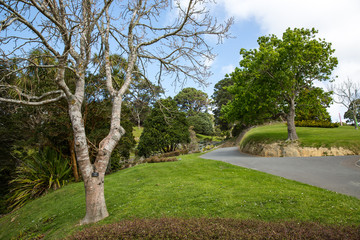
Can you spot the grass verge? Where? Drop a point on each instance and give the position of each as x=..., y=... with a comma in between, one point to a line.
x=190, y=188
x=345, y=136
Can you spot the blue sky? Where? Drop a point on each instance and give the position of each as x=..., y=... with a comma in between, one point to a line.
x=337, y=22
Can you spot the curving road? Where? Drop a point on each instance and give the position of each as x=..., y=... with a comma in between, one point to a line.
x=339, y=174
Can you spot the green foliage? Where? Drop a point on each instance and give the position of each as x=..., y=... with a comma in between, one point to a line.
x=271, y=78
x=202, y=123
x=37, y=174
x=312, y=104
x=221, y=97
x=349, y=114
x=238, y=128
x=191, y=101
x=164, y=129
x=315, y=123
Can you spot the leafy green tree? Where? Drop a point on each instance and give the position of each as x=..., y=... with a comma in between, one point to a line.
x=202, y=123
x=271, y=78
x=312, y=104
x=192, y=101
x=221, y=97
x=164, y=129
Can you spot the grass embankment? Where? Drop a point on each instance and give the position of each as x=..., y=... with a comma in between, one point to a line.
x=345, y=136
x=190, y=188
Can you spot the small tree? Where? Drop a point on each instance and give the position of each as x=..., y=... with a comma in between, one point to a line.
x=348, y=94
x=164, y=129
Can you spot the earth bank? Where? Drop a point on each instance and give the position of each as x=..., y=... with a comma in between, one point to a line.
x=291, y=149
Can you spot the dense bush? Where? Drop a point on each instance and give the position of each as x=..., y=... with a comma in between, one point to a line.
x=164, y=129
x=202, y=123
x=205, y=228
x=314, y=123
x=37, y=173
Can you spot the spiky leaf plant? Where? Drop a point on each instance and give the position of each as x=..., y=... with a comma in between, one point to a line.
x=36, y=175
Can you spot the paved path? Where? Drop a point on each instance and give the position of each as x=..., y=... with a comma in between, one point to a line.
x=339, y=174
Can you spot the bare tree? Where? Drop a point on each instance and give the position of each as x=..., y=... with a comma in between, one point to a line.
x=348, y=94
x=70, y=32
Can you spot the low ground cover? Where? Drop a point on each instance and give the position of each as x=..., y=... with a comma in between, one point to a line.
x=218, y=228
x=190, y=188
x=344, y=136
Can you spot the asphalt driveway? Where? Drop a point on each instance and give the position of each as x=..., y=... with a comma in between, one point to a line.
x=339, y=174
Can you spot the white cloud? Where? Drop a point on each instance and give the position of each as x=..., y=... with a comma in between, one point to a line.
x=227, y=69
x=337, y=22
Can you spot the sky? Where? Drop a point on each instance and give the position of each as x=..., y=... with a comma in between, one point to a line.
x=337, y=22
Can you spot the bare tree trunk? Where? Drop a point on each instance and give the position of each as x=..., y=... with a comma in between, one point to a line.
x=291, y=121
x=93, y=178
x=95, y=199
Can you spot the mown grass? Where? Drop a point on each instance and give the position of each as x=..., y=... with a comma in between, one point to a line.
x=190, y=188
x=345, y=136
x=137, y=133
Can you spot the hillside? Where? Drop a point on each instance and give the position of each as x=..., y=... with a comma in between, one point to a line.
x=270, y=140
x=190, y=188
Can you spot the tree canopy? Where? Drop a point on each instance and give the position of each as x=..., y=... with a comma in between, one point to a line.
x=192, y=101
x=164, y=129
x=271, y=78
x=222, y=97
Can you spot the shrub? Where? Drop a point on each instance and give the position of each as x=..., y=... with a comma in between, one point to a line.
x=157, y=159
x=202, y=123
x=38, y=173
x=314, y=123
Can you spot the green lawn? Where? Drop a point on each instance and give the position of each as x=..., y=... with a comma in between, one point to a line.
x=137, y=133
x=346, y=136
x=192, y=187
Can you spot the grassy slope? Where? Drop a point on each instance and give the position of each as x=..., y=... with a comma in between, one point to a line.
x=346, y=136
x=192, y=187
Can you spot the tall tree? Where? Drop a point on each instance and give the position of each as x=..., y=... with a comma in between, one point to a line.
x=192, y=101
x=221, y=97
x=348, y=94
x=164, y=129
x=70, y=32
x=279, y=70
x=141, y=97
